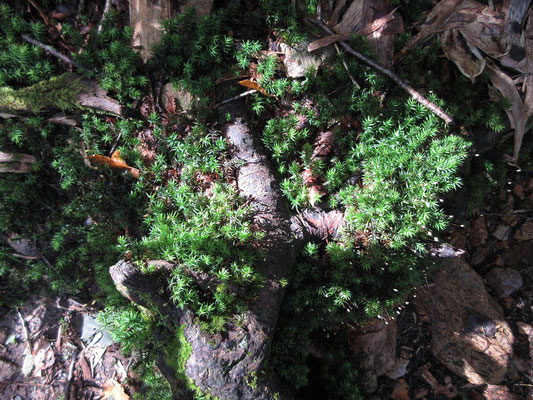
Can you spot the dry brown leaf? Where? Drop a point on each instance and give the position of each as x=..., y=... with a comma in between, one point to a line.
x=314, y=189
x=517, y=113
x=382, y=38
x=114, y=391
x=401, y=390
x=469, y=61
x=253, y=85
x=326, y=41
x=434, y=23
x=43, y=356
x=484, y=31
x=115, y=162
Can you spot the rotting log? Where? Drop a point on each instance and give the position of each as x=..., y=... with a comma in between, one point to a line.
x=223, y=365
x=146, y=17
x=63, y=92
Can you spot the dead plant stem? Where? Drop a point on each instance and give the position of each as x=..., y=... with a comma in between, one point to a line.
x=387, y=72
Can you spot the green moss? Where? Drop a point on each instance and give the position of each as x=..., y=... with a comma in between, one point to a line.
x=178, y=351
x=57, y=92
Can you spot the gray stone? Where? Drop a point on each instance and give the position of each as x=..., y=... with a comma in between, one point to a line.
x=298, y=60
x=7, y=370
x=374, y=346
x=502, y=232
x=525, y=232
x=468, y=332
x=504, y=281
x=175, y=100
x=90, y=328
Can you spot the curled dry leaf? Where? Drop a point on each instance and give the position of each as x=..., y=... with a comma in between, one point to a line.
x=434, y=23
x=517, y=113
x=114, y=391
x=115, y=162
x=467, y=58
x=253, y=85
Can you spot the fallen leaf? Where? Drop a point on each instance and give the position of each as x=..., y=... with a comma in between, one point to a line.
x=43, y=356
x=517, y=113
x=467, y=58
x=253, y=85
x=434, y=23
x=334, y=18
x=115, y=162
x=400, y=391
x=27, y=364
x=114, y=391
x=85, y=369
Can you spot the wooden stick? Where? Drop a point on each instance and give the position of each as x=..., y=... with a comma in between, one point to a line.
x=107, y=8
x=70, y=374
x=387, y=72
x=243, y=94
x=53, y=51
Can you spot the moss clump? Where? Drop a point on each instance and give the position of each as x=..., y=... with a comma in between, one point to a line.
x=57, y=92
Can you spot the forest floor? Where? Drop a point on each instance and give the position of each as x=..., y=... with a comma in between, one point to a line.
x=498, y=236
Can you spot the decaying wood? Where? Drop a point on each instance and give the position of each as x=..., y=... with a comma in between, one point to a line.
x=67, y=92
x=17, y=163
x=145, y=20
x=434, y=22
x=146, y=17
x=222, y=364
x=387, y=72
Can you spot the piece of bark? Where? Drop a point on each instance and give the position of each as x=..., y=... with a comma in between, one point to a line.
x=146, y=17
x=17, y=163
x=351, y=18
x=517, y=113
x=145, y=20
x=433, y=24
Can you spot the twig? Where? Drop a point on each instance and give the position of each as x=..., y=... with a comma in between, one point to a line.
x=53, y=51
x=387, y=72
x=346, y=67
x=115, y=144
x=81, y=6
x=70, y=374
x=243, y=94
x=107, y=8
x=57, y=382
x=25, y=332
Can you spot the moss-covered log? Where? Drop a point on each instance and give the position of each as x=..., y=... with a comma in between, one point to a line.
x=67, y=92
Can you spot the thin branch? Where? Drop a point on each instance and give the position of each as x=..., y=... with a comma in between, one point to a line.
x=25, y=332
x=53, y=51
x=70, y=374
x=387, y=72
x=243, y=94
x=107, y=8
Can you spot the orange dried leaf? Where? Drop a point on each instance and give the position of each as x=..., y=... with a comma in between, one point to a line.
x=253, y=85
x=115, y=162
x=114, y=391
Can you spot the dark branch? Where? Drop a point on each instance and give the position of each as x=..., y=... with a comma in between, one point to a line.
x=387, y=72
